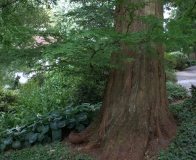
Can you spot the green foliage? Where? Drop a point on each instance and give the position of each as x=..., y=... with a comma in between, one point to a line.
x=8, y=100
x=192, y=62
x=170, y=65
x=60, y=90
x=170, y=75
x=184, y=143
x=54, y=151
x=175, y=91
x=43, y=128
x=170, y=61
x=56, y=92
x=93, y=14
x=181, y=27
x=90, y=89
x=181, y=60
x=20, y=20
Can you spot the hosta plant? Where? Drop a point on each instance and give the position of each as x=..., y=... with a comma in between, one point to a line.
x=43, y=128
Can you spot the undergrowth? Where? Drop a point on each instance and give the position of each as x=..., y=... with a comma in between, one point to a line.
x=176, y=91
x=183, y=146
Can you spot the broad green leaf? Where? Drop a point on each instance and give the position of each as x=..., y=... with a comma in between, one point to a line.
x=2, y=146
x=56, y=135
x=2, y=140
x=55, y=115
x=53, y=125
x=28, y=135
x=72, y=120
x=16, y=144
x=31, y=137
x=61, y=124
x=80, y=127
x=40, y=137
x=46, y=139
x=71, y=125
x=8, y=140
x=81, y=117
x=57, y=118
x=27, y=144
x=43, y=129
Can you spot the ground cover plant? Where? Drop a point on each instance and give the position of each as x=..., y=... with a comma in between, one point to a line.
x=27, y=130
x=176, y=91
x=52, y=151
x=183, y=146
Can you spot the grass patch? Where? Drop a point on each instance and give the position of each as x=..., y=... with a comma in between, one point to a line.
x=53, y=151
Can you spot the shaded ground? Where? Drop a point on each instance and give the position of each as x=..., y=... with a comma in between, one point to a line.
x=187, y=77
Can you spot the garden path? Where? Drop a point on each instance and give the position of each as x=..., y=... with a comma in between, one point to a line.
x=187, y=77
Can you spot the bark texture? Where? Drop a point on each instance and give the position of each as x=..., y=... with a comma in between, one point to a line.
x=135, y=111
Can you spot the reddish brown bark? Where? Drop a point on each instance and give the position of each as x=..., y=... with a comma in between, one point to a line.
x=135, y=111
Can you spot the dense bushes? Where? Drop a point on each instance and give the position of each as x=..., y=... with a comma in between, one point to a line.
x=59, y=91
x=176, y=60
x=170, y=61
x=55, y=93
x=43, y=128
x=170, y=64
x=90, y=89
x=8, y=100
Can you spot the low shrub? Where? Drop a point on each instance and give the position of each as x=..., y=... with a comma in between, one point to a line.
x=175, y=91
x=90, y=89
x=182, y=60
x=170, y=61
x=44, y=128
x=192, y=62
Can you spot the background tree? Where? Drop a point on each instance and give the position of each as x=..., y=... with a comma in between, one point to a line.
x=20, y=21
x=181, y=26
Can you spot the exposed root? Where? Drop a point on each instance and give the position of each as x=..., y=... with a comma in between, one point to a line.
x=75, y=138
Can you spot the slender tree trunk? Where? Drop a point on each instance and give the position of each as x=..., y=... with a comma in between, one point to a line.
x=135, y=113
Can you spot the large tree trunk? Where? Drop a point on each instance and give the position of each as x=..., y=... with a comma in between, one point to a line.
x=135, y=113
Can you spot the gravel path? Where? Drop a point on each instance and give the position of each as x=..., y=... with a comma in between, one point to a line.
x=187, y=77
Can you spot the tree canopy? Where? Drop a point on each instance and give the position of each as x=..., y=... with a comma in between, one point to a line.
x=86, y=28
